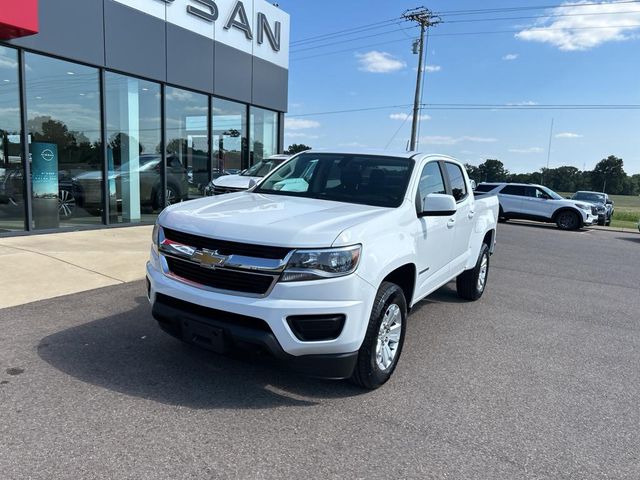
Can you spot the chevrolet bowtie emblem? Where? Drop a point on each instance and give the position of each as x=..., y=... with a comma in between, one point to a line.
x=209, y=259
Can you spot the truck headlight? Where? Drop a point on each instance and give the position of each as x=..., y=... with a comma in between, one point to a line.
x=326, y=263
x=154, y=237
x=584, y=207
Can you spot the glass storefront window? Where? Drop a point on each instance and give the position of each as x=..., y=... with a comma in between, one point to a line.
x=264, y=134
x=134, y=148
x=63, y=111
x=12, y=208
x=229, y=136
x=187, y=137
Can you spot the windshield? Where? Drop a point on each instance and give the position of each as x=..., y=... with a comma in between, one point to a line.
x=589, y=197
x=552, y=194
x=363, y=179
x=262, y=168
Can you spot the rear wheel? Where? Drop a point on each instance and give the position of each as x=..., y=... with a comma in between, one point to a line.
x=471, y=284
x=568, y=220
x=66, y=204
x=382, y=345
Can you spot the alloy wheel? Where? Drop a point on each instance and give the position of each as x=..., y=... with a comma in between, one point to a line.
x=389, y=337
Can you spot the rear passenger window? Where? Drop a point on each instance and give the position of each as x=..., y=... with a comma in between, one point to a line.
x=513, y=190
x=458, y=184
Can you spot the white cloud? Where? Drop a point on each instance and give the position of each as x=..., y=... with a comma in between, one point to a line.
x=585, y=25
x=432, y=68
x=446, y=140
x=526, y=150
x=406, y=116
x=302, y=135
x=568, y=135
x=510, y=57
x=526, y=103
x=353, y=145
x=300, y=124
x=379, y=62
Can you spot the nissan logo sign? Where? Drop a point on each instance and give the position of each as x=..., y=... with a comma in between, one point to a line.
x=47, y=155
x=237, y=18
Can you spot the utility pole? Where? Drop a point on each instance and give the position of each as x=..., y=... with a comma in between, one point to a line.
x=549, y=149
x=425, y=19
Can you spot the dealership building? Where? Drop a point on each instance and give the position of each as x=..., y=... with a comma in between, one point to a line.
x=112, y=109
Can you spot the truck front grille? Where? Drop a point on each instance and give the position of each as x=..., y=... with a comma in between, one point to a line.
x=221, y=279
x=226, y=248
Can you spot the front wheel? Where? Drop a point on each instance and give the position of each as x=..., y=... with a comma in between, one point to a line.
x=471, y=284
x=382, y=345
x=568, y=220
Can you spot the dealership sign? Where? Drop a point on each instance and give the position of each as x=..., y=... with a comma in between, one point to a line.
x=18, y=18
x=252, y=26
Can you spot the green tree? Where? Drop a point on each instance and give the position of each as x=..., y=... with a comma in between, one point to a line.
x=492, y=170
x=473, y=172
x=297, y=148
x=609, y=175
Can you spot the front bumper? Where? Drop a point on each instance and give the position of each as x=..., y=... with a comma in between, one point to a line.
x=589, y=219
x=350, y=296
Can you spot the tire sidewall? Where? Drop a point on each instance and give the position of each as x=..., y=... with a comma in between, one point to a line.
x=392, y=294
x=484, y=252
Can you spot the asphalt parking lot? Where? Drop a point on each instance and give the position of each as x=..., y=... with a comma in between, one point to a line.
x=540, y=379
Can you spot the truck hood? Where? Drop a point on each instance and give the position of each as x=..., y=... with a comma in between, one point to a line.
x=276, y=220
x=234, y=181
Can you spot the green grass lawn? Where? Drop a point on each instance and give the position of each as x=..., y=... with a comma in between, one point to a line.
x=627, y=210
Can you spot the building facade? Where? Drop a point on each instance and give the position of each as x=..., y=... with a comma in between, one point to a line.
x=112, y=109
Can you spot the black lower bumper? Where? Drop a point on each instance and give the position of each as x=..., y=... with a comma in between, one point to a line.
x=223, y=332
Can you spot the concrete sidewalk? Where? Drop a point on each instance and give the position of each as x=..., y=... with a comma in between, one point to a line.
x=46, y=266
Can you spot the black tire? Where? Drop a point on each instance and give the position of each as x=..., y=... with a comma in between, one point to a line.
x=607, y=223
x=468, y=282
x=172, y=196
x=367, y=373
x=568, y=220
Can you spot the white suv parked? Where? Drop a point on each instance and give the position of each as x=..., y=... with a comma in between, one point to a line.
x=540, y=204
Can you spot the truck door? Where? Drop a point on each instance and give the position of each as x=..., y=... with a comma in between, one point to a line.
x=433, y=235
x=464, y=217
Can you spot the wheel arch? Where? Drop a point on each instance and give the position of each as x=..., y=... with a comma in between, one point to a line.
x=554, y=218
x=405, y=277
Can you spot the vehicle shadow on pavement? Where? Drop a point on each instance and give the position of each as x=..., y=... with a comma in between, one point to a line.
x=635, y=239
x=543, y=226
x=128, y=353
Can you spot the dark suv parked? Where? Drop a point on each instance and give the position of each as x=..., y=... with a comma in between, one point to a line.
x=602, y=202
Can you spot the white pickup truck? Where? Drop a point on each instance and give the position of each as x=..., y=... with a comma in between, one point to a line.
x=320, y=263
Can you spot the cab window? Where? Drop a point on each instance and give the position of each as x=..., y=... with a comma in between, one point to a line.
x=457, y=181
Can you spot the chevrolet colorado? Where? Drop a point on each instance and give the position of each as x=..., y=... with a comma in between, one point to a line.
x=320, y=263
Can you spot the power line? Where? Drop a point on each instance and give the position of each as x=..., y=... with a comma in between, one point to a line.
x=479, y=106
x=536, y=17
x=340, y=42
x=348, y=31
x=523, y=8
x=460, y=34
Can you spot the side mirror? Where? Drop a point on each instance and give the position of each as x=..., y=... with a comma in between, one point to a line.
x=609, y=202
x=438, y=205
x=473, y=185
x=252, y=183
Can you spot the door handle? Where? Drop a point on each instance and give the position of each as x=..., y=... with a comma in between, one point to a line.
x=451, y=223
x=472, y=214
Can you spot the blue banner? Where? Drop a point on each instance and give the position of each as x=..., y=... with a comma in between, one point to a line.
x=44, y=183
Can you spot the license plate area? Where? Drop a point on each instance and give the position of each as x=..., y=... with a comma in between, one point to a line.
x=205, y=336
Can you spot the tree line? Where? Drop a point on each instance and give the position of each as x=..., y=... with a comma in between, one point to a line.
x=608, y=176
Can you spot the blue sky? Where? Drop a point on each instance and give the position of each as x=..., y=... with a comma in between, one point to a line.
x=556, y=60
